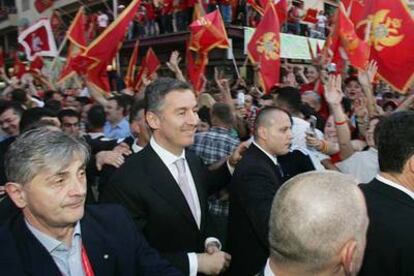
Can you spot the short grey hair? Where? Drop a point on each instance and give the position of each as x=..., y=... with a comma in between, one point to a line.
x=155, y=92
x=312, y=217
x=313, y=94
x=44, y=148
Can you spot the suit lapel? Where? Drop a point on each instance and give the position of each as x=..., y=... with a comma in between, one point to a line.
x=164, y=183
x=100, y=256
x=34, y=256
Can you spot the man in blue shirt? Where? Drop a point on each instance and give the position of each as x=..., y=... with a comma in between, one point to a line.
x=116, y=126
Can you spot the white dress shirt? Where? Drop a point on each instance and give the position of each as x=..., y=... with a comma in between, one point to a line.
x=362, y=164
x=168, y=159
x=268, y=271
x=395, y=185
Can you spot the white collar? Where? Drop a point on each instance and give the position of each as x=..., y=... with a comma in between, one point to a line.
x=167, y=157
x=268, y=271
x=272, y=157
x=395, y=185
x=135, y=147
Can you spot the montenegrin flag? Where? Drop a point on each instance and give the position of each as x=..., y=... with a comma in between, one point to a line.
x=264, y=48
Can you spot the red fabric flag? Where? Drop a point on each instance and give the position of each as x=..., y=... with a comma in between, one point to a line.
x=355, y=9
x=129, y=77
x=36, y=65
x=208, y=32
x=76, y=37
x=38, y=40
x=104, y=48
x=196, y=69
x=42, y=5
x=19, y=68
x=391, y=38
x=149, y=66
x=1, y=57
x=264, y=48
x=311, y=16
x=281, y=8
x=356, y=49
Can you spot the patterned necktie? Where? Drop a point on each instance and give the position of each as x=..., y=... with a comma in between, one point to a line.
x=184, y=186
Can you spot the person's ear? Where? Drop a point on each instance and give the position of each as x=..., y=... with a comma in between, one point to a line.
x=410, y=164
x=262, y=132
x=16, y=193
x=153, y=120
x=348, y=257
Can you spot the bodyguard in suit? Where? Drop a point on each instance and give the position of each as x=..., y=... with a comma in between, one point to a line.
x=165, y=187
x=265, y=166
x=318, y=225
x=54, y=234
x=390, y=200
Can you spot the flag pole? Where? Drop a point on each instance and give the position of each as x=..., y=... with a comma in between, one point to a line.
x=115, y=8
x=62, y=45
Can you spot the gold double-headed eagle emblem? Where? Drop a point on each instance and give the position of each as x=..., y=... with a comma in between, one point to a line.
x=384, y=30
x=268, y=45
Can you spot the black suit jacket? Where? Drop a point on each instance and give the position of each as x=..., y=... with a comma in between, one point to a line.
x=390, y=238
x=252, y=189
x=106, y=230
x=145, y=186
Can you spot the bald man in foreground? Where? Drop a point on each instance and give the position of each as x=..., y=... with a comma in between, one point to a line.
x=317, y=226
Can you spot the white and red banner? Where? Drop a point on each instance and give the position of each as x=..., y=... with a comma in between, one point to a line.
x=38, y=40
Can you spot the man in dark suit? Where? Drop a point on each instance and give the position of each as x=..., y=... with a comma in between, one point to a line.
x=390, y=200
x=53, y=234
x=165, y=187
x=264, y=167
x=317, y=226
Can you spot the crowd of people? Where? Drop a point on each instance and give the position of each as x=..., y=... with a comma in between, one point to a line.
x=168, y=16
x=313, y=178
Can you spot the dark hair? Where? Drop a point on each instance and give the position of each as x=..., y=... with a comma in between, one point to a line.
x=121, y=103
x=48, y=95
x=204, y=115
x=157, y=90
x=135, y=109
x=349, y=79
x=96, y=117
x=290, y=97
x=53, y=105
x=395, y=135
x=67, y=113
x=17, y=107
x=32, y=116
x=19, y=96
x=263, y=116
x=223, y=113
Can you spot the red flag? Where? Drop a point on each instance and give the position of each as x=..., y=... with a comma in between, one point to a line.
x=104, y=48
x=281, y=8
x=311, y=16
x=391, y=38
x=264, y=48
x=149, y=66
x=19, y=68
x=356, y=49
x=42, y=5
x=196, y=69
x=129, y=77
x=355, y=9
x=208, y=32
x=1, y=57
x=38, y=40
x=76, y=37
x=36, y=65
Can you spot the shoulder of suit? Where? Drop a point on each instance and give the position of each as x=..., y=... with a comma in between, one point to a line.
x=300, y=149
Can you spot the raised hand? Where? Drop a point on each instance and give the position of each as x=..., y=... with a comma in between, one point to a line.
x=333, y=90
x=173, y=63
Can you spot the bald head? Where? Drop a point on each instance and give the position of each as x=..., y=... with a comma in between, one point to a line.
x=314, y=215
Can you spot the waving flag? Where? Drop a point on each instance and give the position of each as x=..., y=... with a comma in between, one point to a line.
x=149, y=66
x=38, y=40
x=129, y=77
